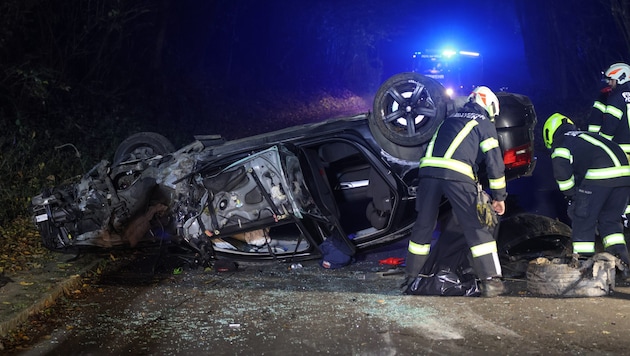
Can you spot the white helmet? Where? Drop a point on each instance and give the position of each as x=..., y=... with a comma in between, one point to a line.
x=487, y=99
x=619, y=72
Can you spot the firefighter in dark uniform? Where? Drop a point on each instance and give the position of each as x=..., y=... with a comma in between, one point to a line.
x=594, y=174
x=616, y=122
x=449, y=168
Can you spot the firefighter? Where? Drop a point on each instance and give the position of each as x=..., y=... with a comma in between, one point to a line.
x=449, y=168
x=616, y=122
x=594, y=175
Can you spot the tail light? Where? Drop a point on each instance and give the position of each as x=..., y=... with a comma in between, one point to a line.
x=518, y=156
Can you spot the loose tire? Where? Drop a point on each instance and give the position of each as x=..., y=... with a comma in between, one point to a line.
x=593, y=278
x=142, y=145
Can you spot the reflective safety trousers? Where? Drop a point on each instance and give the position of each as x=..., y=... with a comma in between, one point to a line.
x=598, y=209
x=463, y=197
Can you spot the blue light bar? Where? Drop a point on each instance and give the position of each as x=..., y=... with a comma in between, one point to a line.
x=467, y=53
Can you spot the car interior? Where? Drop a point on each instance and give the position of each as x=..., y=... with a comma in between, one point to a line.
x=351, y=195
x=363, y=197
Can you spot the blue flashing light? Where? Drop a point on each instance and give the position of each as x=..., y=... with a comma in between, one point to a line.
x=468, y=53
x=457, y=70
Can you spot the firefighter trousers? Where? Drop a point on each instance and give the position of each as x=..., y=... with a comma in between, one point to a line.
x=598, y=209
x=463, y=200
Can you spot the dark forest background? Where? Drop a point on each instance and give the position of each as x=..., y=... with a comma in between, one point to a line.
x=78, y=76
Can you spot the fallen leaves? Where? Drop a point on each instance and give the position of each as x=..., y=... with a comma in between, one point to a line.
x=20, y=247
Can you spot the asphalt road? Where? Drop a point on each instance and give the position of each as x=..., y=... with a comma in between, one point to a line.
x=272, y=309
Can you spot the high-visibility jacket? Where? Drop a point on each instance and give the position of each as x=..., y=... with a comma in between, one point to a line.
x=616, y=123
x=596, y=116
x=581, y=157
x=462, y=142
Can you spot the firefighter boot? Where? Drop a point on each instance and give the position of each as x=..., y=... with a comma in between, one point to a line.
x=621, y=252
x=624, y=266
x=577, y=259
x=492, y=287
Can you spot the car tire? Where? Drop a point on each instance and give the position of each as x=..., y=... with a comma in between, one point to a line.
x=402, y=99
x=524, y=237
x=592, y=278
x=142, y=145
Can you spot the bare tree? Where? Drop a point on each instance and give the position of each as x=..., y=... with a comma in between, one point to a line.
x=621, y=13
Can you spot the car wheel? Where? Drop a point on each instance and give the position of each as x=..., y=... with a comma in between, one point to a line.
x=408, y=108
x=142, y=145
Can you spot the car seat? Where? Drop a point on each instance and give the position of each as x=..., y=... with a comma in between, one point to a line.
x=380, y=207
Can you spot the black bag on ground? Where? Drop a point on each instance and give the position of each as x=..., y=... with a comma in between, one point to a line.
x=447, y=271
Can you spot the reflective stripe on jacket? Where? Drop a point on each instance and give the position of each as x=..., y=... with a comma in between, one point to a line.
x=596, y=115
x=616, y=118
x=460, y=144
x=585, y=157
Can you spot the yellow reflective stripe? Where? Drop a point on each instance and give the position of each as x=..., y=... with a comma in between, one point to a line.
x=594, y=128
x=610, y=137
x=614, y=239
x=584, y=247
x=601, y=145
x=498, y=183
x=614, y=111
x=566, y=184
x=627, y=210
x=484, y=249
x=599, y=106
x=429, y=152
x=418, y=249
x=488, y=144
x=448, y=163
x=607, y=173
x=625, y=147
x=562, y=152
x=460, y=137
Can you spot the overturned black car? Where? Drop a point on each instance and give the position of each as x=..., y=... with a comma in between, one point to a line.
x=281, y=194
